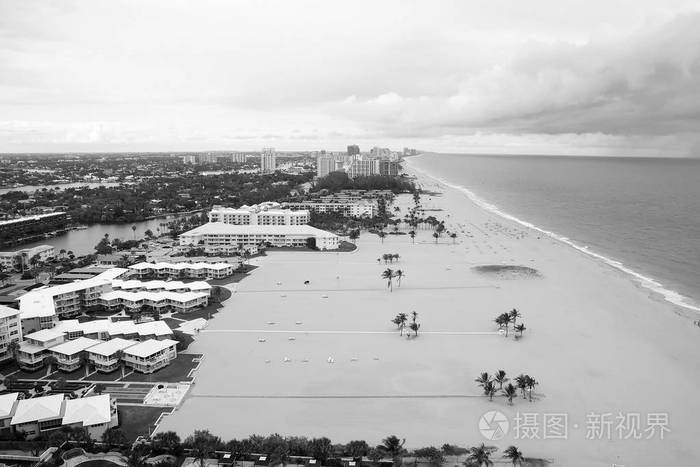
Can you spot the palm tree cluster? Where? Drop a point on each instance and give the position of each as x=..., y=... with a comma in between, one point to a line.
x=389, y=275
x=524, y=383
x=389, y=257
x=478, y=456
x=400, y=321
x=504, y=320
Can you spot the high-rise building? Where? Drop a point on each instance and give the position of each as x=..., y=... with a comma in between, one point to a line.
x=388, y=167
x=353, y=150
x=268, y=160
x=363, y=168
x=324, y=165
x=238, y=157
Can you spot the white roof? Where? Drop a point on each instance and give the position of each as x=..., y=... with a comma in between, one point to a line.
x=231, y=229
x=153, y=296
x=110, y=347
x=92, y=410
x=7, y=312
x=45, y=335
x=73, y=347
x=180, y=266
x=167, y=285
x=38, y=409
x=39, y=302
x=156, y=328
x=7, y=402
x=149, y=347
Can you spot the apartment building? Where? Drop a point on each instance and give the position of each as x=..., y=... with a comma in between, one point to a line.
x=105, y=356
x=161, y=286
x=15, y=230
x=38, y=415
x=151, y=355
x=346, y=208
x=268, y=160
x=69, y=355
x=10, y=330
x=182, y=302
x=176, y=270
x=22, y=259
x=268, y=213
x=35, y=348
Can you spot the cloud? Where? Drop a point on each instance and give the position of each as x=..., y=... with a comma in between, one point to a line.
x=577, y=74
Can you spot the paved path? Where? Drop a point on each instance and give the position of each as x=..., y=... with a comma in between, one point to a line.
x=297, y=331
x=331, y=396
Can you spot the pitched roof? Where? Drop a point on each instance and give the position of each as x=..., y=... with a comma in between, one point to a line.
x=73, y=347
x=6, y=311
x=88, y=411
x=38, y=409
x=111, y=346
x=233, y=229
x=149, y=347
x=7, y=403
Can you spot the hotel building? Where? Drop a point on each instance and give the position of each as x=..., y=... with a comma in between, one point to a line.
x=268, y=213
x=177, y=270
x=346, y=208
x=219, y=233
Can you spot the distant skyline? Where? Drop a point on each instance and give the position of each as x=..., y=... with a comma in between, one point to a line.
x=547, y=77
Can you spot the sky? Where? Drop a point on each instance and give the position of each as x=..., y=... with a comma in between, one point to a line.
x=573, y=77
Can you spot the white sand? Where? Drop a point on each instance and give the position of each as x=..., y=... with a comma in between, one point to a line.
x=595, y=341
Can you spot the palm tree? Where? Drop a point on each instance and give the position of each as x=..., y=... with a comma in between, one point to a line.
x=393, y=446
x=515, y=456
x=119, y=354
x=133, y=229
x=382, y=234
x=489, y=389
x=454, y=237
x=50, y=361
x=388, y=274
x=520, y=328
x=13, y=349
x=414, y=316
x=435, y=236
x=71, y=255
x=514, y=315
x=483, y=379
x=530, y=384
x=414, y=327
x=480, y=455
x=500, y=378
x=398, y=274
x=503, y=321
x=521, y=383
x=84, y=361
x=510, y=392
x=412, y=234
x=395, y=257
x=354, y=235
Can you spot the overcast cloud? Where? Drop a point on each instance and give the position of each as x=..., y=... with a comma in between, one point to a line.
x=556, y=76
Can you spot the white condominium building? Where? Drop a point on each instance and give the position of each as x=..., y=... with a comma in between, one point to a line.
x=151, y=355
x=218, y=233
x=69, y=354
x=182, y=302
x=325, y=164
x=22, y=259
x=268, y=213
x=346, y=208
x=105, y=356
x=268, y=160
x=363, y=168
x=10, y=330
x=190, y=270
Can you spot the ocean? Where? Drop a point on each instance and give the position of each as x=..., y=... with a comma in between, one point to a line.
x=639, y=215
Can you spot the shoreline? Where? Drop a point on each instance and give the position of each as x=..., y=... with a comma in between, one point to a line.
x=684, y=305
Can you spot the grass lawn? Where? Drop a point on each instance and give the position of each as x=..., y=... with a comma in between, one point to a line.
x=9, y=366
x=23, y=374
x=136, y=421
x=207, y=312
x=172, y=323
x=175, y=372
x=237, y=276
x=113, y=376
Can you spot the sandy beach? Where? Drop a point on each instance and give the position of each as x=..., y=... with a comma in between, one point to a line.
x=596, y=342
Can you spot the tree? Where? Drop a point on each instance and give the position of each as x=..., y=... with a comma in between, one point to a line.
x=514, y=315
x=510, y=392
x=514, y=455
x=381, y=235
x=480, y=455
x=133, y=229
x=530, y=384
x=393, y=446
x=521, y=383
x=61, y=382
x=375, y=455
x=114, y=437
x=489, y=389
x=454, y=237
x=435, y=236
x=13, y=349
x=321, y=449
x=412, y=234
x=388, y=274
x=434, y=456
x=520, y=328
x=500, y=378
x=483, y=379
x=398, y=274
x=167, y=442
x=203, y=444
x=148, y=233
x=50, y=361
x=503, y=320
x=354, y=235
x=414, y=327
x=120, y=357
x=84, y=361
